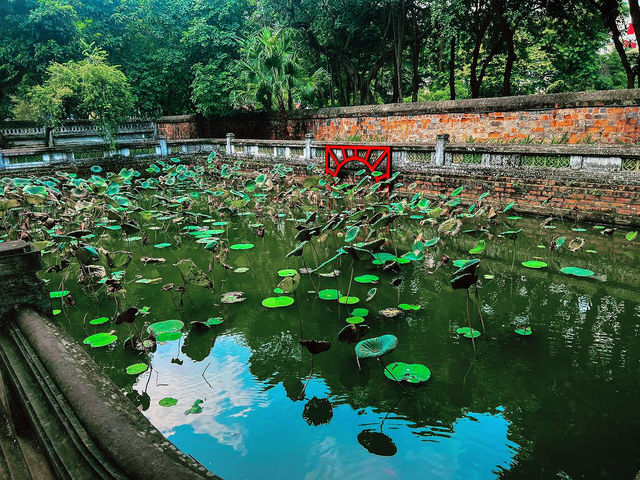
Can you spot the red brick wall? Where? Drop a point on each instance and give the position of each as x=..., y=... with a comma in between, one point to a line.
x=573, y=125
x=178, y=127
x=606, y=117
x=603, y=198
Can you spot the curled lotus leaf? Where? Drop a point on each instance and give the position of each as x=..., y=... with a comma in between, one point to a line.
x=376, y=347
x=192, y=274
x=290, y=284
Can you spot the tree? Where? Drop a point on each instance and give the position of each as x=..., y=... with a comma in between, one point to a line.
x=89, y=88
x=273, y=74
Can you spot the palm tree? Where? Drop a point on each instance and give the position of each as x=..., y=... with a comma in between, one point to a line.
x=273, y=74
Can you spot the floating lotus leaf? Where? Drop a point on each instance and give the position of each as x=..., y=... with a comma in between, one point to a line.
x=355, y=320
x=524, y=331
x=59, y=294
x=290, y=284
x=468, y=332
x=241, y=270
x=195, y=408
x=242, y=246
x=287, y=272
x=457, y=191
x=168, y=402
x=478, y=248
x=376, y=346
x=137, y=368
x=407, y=372
x=100, y=339
x=407, y=306
x=165, y=326
x=162, y=245
x=329, y=294
x=534, y=264
x=631, y=236
x=367, y=279
x=577, y=271
x=344, y=300
x=360, y=312
x=276, y=302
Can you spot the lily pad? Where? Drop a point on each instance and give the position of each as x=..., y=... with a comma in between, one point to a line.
x=100, y=339
x=524, y=331
x=99, y=321
x=534, y=264
x=242, y=246
x=468, y=332
x=137, y=368
x=367, y=279
x=577, y=271
x=277, y=302
x=168, y=402
x=407, y=372
x=165, y=326
x=344, y=300
x=329, y=294
x=355, y=320
x=287, y=272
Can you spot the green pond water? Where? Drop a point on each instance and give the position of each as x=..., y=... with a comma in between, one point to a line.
x=560, y=403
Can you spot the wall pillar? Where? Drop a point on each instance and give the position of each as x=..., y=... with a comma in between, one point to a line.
x=21, y=287
x=441, y=142
x=230, y=137
x=308, y=138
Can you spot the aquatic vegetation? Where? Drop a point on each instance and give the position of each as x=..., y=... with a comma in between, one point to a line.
x=353, y=261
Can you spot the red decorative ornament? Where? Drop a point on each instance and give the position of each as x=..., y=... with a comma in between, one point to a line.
x=375, y=158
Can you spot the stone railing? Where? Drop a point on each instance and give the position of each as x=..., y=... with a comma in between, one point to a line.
x=26, y=134
x=405, y=156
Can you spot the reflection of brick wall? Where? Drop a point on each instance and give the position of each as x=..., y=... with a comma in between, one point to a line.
x=178, y=127
x=598, y=117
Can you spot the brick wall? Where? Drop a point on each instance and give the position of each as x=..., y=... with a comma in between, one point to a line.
x=607, y=117
x=179, y=127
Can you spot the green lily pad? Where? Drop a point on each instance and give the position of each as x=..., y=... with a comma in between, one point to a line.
x=524, y=331
x=577, y=271
x=468, y=332
x=137, y=368
x=276, y=302
x=242, y=246
x=287, y=272
x=407, y=306
x=168, y=402
x=360, y=312
x=100, y=339
x=407, y=372
x=329, y=294
x=534, y=264
x=59, y=294
x=344, y=300
x=355, y=320
x=367, y=279
x=165, y=326
x=162, y=245
x=99, y=321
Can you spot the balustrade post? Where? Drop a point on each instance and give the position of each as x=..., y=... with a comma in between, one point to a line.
x=441, y=142
x=230, y=137
x=308, y=138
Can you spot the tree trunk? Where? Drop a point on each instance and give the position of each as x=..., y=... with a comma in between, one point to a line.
x=634, y=8
x=398, y=47
x=609, y=15
x=415, y=62
x=508, y=34
x=452, y=68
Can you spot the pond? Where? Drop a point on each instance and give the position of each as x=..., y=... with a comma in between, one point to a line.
x=556, y=399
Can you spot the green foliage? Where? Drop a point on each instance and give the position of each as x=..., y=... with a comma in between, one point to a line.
x=89, y=88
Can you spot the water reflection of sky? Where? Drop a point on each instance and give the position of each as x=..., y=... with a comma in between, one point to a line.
x=249, y=429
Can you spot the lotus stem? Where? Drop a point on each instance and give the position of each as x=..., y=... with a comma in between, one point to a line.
x=301, y=396
x=479, y=309
x=473, y=341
